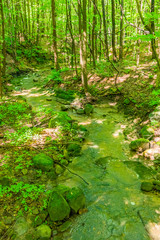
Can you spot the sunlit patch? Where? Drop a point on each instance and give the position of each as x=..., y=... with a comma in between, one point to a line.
x=154, y=230
x=94, y=146
x=85, y=123
x=123, y=126
x=116, y=134
x=112, y=104
x=100, y=121
x=126, y=201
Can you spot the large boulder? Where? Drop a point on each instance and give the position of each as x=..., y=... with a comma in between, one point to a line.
x=139, y=143
x=88, y=109
x=76, y=199
x=73, y=149
x=43, y=162
x=43, y=232
x=58, y=208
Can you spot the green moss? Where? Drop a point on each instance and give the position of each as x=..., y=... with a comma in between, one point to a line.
x=134, y=145
x=147, y=132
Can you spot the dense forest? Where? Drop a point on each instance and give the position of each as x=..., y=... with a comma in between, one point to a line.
x=79, y=119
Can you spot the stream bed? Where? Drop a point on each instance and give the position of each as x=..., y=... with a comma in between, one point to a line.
x=117, y=209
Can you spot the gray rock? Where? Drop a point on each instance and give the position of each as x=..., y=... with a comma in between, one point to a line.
x=76, y=199
x=58, y=208
x=43, y=162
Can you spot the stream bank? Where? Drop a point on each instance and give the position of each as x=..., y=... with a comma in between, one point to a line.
x=116, y=208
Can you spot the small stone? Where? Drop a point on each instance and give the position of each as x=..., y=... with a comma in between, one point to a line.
x=80, y=111
x=58, y=169
x=35, y=211
x=88, y=109
x=64, y=108
x=43, y=232
x=24, y=171
x=157, y=187
x=64, y=226
x=8, y=220
x=49, y=99
x=146, y=186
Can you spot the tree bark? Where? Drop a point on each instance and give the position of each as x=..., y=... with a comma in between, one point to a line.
x=113, y=32
x=54, y=35
x=121, y=34
x=3, y=39
x=105, y=31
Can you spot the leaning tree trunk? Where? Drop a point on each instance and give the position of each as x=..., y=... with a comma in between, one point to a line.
x=105, y=31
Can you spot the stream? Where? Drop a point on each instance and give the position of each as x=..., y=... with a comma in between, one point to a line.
x=117, y=208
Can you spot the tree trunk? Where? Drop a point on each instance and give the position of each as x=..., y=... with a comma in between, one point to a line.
x=153, y=42
x=105, y=31
x=3, y=39
x=113, y=32
x=54, y=35
x=121, y=34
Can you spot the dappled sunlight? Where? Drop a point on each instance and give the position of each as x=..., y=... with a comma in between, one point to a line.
x=100, y=121
x=153, y=230
x=117, y=133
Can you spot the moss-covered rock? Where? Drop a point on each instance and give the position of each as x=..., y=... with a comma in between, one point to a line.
x=73, y=149
x=88, y=109
x=43, y=162
x=58, y=208
x=43, y=232
x=147, y=186
x=60, y=119
x=76, y=199
x=59, y=169
x=147, y=132
x=139, y=143
x=80, y=111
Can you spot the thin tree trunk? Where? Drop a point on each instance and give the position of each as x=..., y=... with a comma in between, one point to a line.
x=153, y=42
x=105, y=31
x=3, y=39
x=54, y=35
x=121, y=34
x=113, y=32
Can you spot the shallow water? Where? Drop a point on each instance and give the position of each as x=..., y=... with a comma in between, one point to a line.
x=117, y=208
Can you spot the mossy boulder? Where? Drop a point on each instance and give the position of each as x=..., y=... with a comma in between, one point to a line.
x=139, y=143
x=43, y=162
x=76, y=199
x=80, y=111
x=43, y=232
x=60, y=119
x=147, y=186
x=88, y=109
x=147, y=132
x=73, y=149
x=58, y=207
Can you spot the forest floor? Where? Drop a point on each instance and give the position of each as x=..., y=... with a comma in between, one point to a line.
x=46, y=112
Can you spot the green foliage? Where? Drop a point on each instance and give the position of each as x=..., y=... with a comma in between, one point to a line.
x=22, y=135
x=104, y=69
x=155, y=98
x=67, y=95
x=22, y=192
x=55, y=76
x=12, y=113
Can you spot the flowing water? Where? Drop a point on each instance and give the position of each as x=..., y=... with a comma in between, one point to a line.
x=117, y=208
